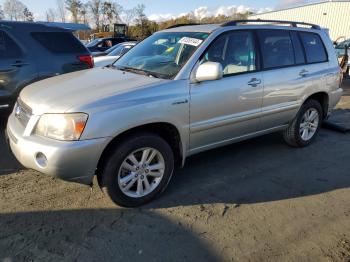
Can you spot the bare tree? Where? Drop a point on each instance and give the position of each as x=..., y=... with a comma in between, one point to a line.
x=61, y=10
x=73, y=6
x=140, y=13
x=84, y=13
x=2, y=16
x=141, y=18
x=28, y=16
x=14, y=10
x=50, y=15
x=96, y=9
x=110, y=12
x=129, y=16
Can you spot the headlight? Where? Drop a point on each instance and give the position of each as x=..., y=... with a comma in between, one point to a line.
x=67, y=127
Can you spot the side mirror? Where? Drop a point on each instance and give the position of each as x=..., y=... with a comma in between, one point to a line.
x=209, y=71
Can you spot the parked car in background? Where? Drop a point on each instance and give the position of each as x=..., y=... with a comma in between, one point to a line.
x=30, y=52
x=103, y=44
x=343, y=52
x=340, y=47
x=108, y=51
x=104, y=53
x=115, y=54
x=179, y=92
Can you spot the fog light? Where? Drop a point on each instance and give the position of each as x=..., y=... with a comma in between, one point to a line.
x=41, y=160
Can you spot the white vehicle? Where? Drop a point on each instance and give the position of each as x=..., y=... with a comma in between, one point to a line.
x=123, y=48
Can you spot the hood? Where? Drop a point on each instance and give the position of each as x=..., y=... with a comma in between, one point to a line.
x=59, y=94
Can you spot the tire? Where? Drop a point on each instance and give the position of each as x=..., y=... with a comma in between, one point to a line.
x=293, y=135
x=110, y=179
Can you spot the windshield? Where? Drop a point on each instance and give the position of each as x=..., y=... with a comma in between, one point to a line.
x=120, y=50
x=162, y=54
x=110, y=50
x=93, y=42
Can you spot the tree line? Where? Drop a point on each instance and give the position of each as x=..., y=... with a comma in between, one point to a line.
x=102, y=13
x=15, y=10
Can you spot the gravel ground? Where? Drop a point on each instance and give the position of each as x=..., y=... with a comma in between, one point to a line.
x=259, y=200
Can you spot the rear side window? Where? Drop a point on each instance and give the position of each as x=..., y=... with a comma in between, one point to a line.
x=59, y=42
x=314, y=48
x=277, y=48
x=298, y=49
x=8, y=47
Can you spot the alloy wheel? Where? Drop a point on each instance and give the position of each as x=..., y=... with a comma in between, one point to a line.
x=141, y=172
x=309, y=124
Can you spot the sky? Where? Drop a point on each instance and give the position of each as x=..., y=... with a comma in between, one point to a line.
x=163, y=9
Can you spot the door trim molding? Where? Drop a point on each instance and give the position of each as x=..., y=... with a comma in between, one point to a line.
x=234, y=140
x=241, y=117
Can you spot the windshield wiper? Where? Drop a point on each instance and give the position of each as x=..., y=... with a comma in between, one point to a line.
x=138, y=71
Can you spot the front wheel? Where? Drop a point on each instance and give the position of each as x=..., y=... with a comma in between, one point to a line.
x=138, y=170
x=304, y=128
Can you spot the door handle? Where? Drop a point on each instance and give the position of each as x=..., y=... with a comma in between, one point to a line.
x=254, y=82
x=303, y=73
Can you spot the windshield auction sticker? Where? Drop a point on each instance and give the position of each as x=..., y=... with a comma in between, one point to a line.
x=190, y=41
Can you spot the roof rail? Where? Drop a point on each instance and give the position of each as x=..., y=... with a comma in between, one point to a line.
x=178, y=25
x=291, y=23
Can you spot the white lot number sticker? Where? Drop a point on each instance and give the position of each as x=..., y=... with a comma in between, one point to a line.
x=190, y=41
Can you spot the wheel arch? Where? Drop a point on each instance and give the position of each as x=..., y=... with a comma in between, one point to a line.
x=323, y=99
x=167, y=131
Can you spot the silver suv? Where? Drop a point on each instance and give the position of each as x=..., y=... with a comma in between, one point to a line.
x=181, y=91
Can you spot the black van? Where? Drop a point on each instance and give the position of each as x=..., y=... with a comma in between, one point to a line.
x=30, y=52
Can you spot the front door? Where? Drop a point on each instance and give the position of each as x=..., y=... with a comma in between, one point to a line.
x=229, y=108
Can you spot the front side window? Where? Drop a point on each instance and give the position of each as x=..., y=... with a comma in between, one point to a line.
x=277, y=48
x=93, y=42
x=234, y=51
x=8, y=47
x=314, y=48
x=163, y=54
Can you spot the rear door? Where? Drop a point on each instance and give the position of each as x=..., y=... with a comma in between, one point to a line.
x=286, y=76
x=228, y=108
x=318, y=68
x=65, y=52
x=16, y=69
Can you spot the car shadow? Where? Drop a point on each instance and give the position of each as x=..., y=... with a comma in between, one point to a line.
x=98, y=235
x=261, y=170
x=8, y=163
x=346, y=87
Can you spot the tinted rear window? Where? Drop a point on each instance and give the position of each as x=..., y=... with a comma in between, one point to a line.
x=314, y=48
x=59, y=42
x=8, y=47
x=277, y=48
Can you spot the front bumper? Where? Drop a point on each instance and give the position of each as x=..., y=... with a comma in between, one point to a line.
x=74, y=161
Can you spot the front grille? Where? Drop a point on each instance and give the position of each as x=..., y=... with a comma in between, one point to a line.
x=22, y=112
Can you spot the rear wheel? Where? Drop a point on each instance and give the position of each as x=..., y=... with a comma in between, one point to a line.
x=138, y=170
x=304, y=128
